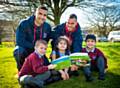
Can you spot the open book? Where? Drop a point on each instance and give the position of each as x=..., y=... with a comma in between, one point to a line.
x=81, y=56
x=74, y=58
x=62, y=62
x=80, y=59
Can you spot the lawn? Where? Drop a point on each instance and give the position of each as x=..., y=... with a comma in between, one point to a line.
x=111, y=50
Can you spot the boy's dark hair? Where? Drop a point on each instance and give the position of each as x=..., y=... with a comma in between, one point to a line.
x=73, y=16
x=90, y=36
x=40, y=42
x=42, y=7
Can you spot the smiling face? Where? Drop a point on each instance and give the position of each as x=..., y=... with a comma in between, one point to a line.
x=71, y=24
x=40, y=16
x=90, y=43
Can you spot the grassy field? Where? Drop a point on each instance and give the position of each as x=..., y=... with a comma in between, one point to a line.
x=111, y=50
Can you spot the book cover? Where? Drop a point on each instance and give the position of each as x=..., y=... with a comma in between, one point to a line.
x=62, y=62
x=81, y=56
x=80, y=59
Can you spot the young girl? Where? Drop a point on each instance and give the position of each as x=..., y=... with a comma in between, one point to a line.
x=61, y=49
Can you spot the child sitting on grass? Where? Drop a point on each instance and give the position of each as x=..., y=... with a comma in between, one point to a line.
x=98, y=60
x=35, y=70
x=61, y=49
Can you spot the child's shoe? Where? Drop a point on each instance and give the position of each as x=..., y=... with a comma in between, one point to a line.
x=101, y=77
x=89, y=79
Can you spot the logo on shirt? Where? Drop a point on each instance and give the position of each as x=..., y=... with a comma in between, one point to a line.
x=45, y=35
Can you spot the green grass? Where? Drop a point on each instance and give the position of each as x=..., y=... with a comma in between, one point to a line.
x=111, y=50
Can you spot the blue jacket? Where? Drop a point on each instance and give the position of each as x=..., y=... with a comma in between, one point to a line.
x=76, y=37
x=27, y=33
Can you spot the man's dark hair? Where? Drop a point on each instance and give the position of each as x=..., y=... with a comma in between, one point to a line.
x=73, y=16
x=43, y=7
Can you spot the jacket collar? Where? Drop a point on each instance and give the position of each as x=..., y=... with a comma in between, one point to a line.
x=90, y=50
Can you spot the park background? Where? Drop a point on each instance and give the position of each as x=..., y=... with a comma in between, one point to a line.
x=98, y=17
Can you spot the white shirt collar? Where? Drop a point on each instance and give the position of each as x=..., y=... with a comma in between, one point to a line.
x=90, y=50
x=39, y=55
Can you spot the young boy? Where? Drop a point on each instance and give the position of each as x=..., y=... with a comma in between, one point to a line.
x=35, y=70
x=98, y=60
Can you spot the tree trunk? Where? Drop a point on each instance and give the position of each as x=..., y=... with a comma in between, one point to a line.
x=0, y=41
x=57, y=20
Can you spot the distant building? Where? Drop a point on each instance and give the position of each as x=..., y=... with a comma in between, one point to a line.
x=6, y=30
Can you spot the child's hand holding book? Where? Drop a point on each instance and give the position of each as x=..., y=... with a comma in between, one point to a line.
x=51, y=66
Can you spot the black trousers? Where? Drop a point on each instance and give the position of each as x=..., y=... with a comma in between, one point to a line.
x=20, y=54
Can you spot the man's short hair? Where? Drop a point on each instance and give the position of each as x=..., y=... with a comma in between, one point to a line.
x=73, y=16
x=42, y=7
x=38, y=42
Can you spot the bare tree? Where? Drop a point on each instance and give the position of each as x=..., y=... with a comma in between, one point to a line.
x=114, y=17
x=105, y=18
x=14, y=12
x=56, y=7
